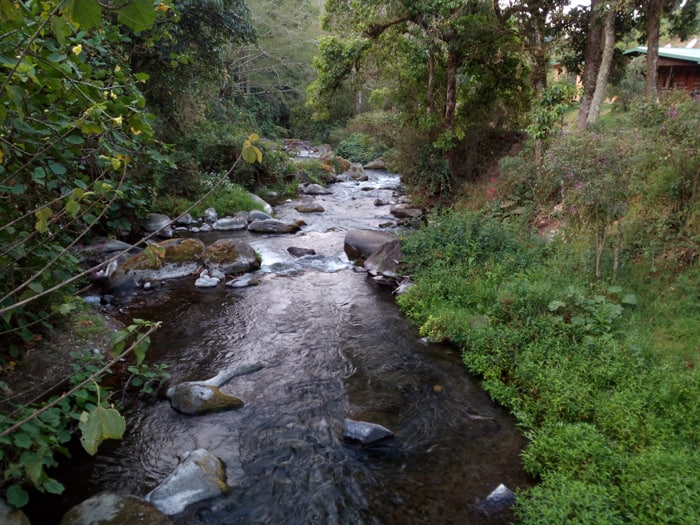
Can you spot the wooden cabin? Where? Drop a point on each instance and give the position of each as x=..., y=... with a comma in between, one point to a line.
x=678, y=67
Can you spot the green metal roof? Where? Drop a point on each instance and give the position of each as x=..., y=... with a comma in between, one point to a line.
x=679, y=53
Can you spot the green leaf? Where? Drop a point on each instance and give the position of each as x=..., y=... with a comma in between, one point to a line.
x=9, y=10
x=72, y=208
x=54, y=487
x=22, y=440
x=36, y=287
x=99, y=424
x=141, y=77
x=139, y=15
x=17, y=496
x=629, y=298
x=86, y=13
x=555, y=305
x=42, y=216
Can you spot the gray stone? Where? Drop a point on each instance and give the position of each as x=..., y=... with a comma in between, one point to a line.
x=200, y=475
x=360, y=244
x=244, y=281
x=231, y=256
x=205, y=280
x=210, y=215
x=110, y=508
x=275, y=226
x=10, y=516
x=261, y=202
x=300, y=252
x=405, y=211
x=364, y=432
x=157, y=222
x=377, y=164
x=309, y=207
x=184, y=220
x=200, y=397
x=315, y=189
x=385, y=261
x=257, y=215
x=230, y=223
x=500, y=499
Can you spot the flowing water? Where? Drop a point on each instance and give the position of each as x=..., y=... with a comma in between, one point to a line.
x=334, y=346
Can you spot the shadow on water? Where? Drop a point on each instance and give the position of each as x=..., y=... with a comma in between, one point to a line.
x=334, y=346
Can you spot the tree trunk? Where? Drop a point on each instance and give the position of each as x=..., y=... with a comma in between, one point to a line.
x=451, y=98
x=592, y=57
x=604, y=70
x=654, y=13
x=431, y=80
x=618, y=244
x=599, y=246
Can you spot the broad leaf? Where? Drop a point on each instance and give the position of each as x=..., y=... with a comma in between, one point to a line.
x=86, y=13
x=17, y=496
x=99, y=424
x=139, y=15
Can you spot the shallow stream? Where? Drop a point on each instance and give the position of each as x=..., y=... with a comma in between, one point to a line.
x=334, y=346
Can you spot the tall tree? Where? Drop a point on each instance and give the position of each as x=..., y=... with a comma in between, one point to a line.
x=592, y=58
x=605, y=64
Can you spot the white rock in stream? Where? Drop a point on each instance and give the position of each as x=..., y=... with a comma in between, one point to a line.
x=199, y=476
x=364, y=432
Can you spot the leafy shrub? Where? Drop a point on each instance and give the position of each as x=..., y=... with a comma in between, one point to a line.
x=358, y=147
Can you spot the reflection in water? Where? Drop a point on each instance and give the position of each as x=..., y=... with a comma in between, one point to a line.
x=334, y=346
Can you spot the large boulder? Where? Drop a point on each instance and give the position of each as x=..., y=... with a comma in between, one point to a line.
x=384, y=262
x=500, y=499
x=360, y=244
x=275, y=226
x=200, y=475
x=231, y=256
x=168, y=260
x=376, y=164
x=110, y=508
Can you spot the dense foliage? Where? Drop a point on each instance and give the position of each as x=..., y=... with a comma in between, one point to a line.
x=601, y=375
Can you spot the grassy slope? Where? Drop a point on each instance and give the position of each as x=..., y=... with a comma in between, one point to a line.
x=603, y=376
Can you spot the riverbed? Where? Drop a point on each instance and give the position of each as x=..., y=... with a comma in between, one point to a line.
x=334, y=345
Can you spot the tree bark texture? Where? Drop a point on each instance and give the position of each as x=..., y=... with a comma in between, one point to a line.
x=601, y=84
x=654, y=13
x=451, y=98
x=592, y=56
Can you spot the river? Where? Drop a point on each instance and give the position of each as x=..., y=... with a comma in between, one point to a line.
x=334, y=346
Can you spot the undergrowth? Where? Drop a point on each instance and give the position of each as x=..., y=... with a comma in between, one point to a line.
x=601, y=374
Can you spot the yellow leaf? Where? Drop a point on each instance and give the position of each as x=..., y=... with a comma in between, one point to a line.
x=253, y=137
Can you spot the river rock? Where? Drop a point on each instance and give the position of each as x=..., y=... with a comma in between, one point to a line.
x=500, y=499
x=200, y=475
x=10, y=516
x=261, y=202
x=105, y=246
x=244, y=281
x=194, y=398
x=360, y=244
x=205, y=280
x=231, y=256
x=230, y=223
x=275, y=226
x=376, y=164
x=365, y=433
x=180, y=257
x=257, y=215
x=199, y=397
x=357, y=172
x=210, y=215
x=157, y=222
x=295, y=251
x=315, y=189
x=405, y=211
x=385, y=261
x=110, y=508
x=309, y=207
x=184, y=220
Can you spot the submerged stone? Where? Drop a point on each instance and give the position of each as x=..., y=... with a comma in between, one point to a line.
x=364, y=432
x=195, y=398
